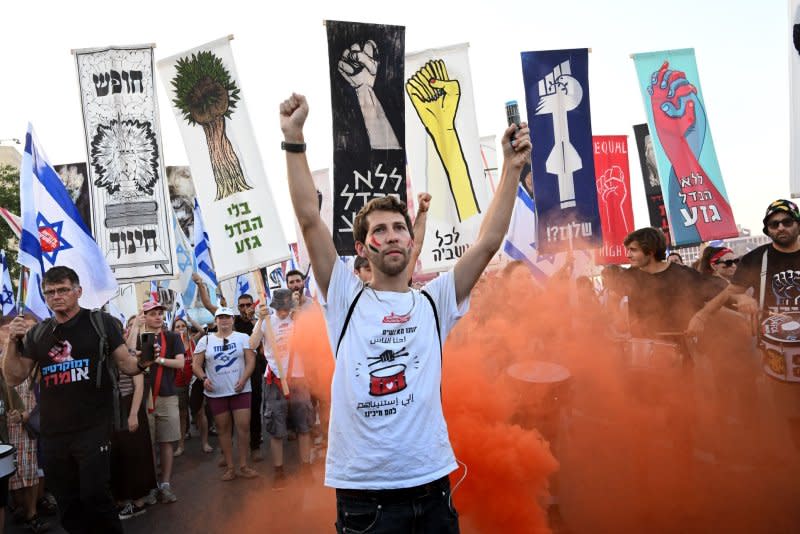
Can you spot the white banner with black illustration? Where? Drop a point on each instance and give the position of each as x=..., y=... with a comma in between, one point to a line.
x=231, y=185
x=794, y=94
x=128, y=192
x=444, y=152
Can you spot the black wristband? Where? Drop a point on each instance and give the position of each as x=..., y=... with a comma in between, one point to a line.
x=297, y=148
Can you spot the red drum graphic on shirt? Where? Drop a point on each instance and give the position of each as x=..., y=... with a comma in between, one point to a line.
x=387, y=380
x=387, y=376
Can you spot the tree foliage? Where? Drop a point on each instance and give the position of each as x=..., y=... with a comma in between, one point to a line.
x=195, y=76
x=9, y=199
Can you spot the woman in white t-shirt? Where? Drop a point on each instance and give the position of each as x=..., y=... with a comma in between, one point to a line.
x=226, y=380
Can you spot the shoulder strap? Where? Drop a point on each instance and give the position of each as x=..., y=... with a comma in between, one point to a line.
x=763, y=288
x=38, y=331
x=98, y=323
x=96, y=317
x=347, y=320
x=436, y=317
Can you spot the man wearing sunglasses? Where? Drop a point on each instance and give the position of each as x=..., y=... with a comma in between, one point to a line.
x=772, y=271
x=780, y=291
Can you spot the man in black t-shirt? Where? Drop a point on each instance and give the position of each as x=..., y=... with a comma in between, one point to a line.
x=663, y=297
x=774, y=308
x=75, y=412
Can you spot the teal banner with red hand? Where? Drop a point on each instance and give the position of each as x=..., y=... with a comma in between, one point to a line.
x=691, y=181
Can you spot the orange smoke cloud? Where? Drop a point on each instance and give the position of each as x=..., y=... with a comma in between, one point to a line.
x=698, y=449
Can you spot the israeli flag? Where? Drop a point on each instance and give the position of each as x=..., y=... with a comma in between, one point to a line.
x=179, y=312
x=521, y=237
x=202, y=250
x=114, y=311
x=7, y=292
x=243, y=286
x=187, y=264
x=53, y=233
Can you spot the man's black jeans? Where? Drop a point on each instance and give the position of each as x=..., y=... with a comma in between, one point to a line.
x=78, y=470
x=425, y=509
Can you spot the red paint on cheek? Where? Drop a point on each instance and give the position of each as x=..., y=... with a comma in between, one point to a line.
x=374, y=244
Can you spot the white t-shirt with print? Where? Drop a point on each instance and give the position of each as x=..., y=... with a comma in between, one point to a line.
x=224, y=367
x=282, y=329
x=387, y=429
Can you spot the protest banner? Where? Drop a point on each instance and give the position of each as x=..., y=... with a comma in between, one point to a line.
x=239, y=211
x=127, y=190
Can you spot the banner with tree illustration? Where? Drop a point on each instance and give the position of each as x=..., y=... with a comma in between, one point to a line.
x=128, y=192
x=445, y=152
x=231, y=186
x=691, y=181
x=369, y=160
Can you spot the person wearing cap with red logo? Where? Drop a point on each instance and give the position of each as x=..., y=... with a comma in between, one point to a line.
x=163, y=414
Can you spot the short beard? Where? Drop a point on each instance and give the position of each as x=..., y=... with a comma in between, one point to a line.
x=390, y=270
x=787, y=241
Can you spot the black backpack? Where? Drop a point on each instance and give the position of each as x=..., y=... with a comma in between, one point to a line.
x=96, y=317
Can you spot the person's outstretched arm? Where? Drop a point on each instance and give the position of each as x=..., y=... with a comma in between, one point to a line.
x=495, y=223
x=293, y=113
x=420, y=223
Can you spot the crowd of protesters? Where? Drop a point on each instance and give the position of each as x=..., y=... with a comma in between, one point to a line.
x=90, y=404
x=201, y=379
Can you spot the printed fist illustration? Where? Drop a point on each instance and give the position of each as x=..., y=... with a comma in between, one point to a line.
x=786, y=286
x=359, y=66
x=611, y=185
x=612, y=190
x=677, y=112
x=561, y=95
x=435, y=96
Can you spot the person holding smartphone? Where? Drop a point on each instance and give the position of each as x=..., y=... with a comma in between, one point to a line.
x=165, y=349
x=75, y=407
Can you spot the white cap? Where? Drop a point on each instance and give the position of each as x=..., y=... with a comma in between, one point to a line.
x=224, y=311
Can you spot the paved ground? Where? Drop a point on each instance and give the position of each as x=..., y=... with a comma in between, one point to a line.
x=208, y=505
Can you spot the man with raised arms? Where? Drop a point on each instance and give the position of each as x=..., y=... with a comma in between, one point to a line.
x=389, y=453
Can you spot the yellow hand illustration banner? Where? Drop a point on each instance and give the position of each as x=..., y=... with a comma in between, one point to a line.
x=443, y=151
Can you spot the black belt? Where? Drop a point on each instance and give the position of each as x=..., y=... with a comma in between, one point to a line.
x=401, y=495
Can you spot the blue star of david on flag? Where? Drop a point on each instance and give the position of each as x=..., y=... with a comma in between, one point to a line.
x=51, y=239
x=7, y=292
x=184, y=257
x=6, y=297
